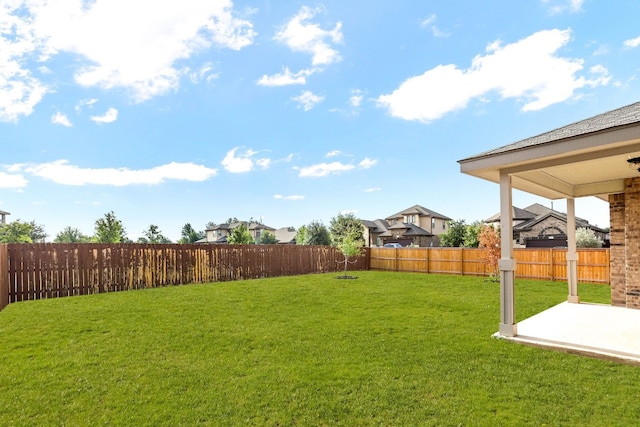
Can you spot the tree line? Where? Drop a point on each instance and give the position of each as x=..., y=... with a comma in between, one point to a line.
x=110, y=229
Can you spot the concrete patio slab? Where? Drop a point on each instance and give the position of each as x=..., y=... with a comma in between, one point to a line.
x=595, y=330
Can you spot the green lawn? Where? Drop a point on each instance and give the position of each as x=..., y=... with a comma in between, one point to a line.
x=388, y=349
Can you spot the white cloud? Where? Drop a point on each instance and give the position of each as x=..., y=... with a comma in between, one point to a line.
x=117, y=43
x=324, y=169
x=367, y=163
x=632, y=42
x=293, y=197
x=109, y=117
x=302, y=36
x=527, y=70
x=356, y=98
x=204, y=73
x=307, y=100
x=285, y=78
x=61, y=119
x=263, y=163
x=372, y=190
x=84, y=103
x=429, y=22
x=20, y=91
x=559, y=6
x=61, y=172
x=243, y=162
x=8, y=180
x=334, y=168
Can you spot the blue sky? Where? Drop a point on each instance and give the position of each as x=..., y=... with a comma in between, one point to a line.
x=169, y=113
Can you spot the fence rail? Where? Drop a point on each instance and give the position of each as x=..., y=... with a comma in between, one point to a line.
x=51, y=270
x=549, y=264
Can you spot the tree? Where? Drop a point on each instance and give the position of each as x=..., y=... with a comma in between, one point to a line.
x=301, y=235
x=189, y=235
x=240, y=236
x=268, y=238
x=317, y=234
x=110, y=229
x=586, y=238
x=471, y=235
x=153, y=236
x=37, y=234
x=71, y=235
x=349, y=247
x=489, y=242
x=454, y=237
x=232, y=220
x=16, y=232
x=346, y=226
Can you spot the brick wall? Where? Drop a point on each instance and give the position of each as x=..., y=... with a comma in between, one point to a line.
x=624, y=210
x=617, y=251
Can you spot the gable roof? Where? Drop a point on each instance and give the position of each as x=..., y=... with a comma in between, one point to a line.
x=516, y=214
x=376, y=226
x=580, y=223
x=585, y=158
x=536, y=213
x=417, y=210
x=286, y=235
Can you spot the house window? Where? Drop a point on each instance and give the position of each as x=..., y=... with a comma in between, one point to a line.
x=444, y=225
x=411, y=219
x=433, y=223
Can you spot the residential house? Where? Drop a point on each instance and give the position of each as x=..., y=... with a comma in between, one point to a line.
x=3, y=217
x=416, y=226
x=539, y=226
x=221, y=232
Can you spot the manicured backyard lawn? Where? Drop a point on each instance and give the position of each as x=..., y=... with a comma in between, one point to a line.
x=389, y=349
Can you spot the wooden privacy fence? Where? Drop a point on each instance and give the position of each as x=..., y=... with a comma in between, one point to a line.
x=548, y=264
x=51, y=270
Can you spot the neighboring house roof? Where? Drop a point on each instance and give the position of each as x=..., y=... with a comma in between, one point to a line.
x=4, y=213
x=414, y=230
x=537, y=213
x=516, y=213
x=419, y=210
x=376, y=226
x=286, y=235
x=259, y=226
x=223, y=226
x=411, y=230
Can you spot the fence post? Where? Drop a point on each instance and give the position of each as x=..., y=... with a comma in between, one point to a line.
x=4, y=276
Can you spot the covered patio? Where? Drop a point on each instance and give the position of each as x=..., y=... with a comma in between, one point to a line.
x=600, y=157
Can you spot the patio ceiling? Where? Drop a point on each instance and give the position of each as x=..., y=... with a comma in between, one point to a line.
x=586, y=158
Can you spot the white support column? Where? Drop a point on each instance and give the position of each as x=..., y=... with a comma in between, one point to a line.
x=572, y=253
x=507, y=264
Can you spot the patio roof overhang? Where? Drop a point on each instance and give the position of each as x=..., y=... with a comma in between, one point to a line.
x=587, y=158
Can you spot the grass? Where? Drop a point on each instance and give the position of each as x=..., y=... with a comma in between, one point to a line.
x=388, y=349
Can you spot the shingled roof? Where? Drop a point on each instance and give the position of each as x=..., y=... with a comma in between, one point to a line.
x=622, y=116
